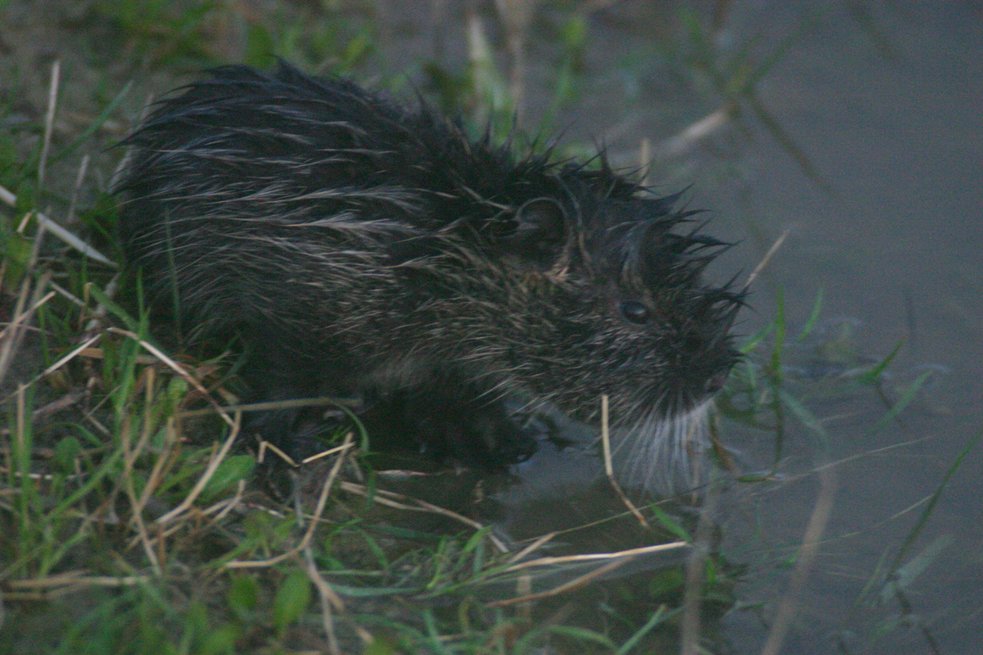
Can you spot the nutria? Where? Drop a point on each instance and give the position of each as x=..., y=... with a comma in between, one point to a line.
x=358, y=247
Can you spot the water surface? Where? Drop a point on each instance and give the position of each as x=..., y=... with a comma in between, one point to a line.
x=884, y=102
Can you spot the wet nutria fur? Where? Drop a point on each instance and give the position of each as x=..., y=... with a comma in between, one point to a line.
x=359, y=247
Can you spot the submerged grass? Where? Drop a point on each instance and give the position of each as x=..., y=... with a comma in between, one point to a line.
x=123, y=530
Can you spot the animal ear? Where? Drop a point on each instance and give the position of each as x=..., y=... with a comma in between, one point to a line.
x=540, y=231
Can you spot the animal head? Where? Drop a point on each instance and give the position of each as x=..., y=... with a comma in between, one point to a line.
x=602, y=293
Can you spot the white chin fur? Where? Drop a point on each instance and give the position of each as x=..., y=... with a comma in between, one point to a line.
x=663, y=455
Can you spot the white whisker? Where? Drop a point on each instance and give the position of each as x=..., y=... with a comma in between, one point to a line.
x=663, y=454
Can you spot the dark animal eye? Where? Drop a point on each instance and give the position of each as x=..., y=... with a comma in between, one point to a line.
x=635, y=312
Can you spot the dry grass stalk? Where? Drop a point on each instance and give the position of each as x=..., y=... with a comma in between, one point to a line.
x=49, y=120
x=630, y=553
x=572, y=585
x=400, y=501
x=264, y=406
x=79, y=179
x=766, y=259
x=696, y=132
x=534, y=546
x=10, y=199
x=55, y=586
x=213, y=463
x=31, y=298
x=314, y=519
x=804, y=562
x=695, y=572
x=609, y=465
x=516, y=16
x=177, y=368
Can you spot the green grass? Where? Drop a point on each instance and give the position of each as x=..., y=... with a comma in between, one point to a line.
x=125, y=527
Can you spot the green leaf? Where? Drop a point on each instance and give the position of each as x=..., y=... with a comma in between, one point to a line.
x=65, y=453
x=15, y=249
x=806, y=417
x=93, y=127
x=581, y=634
x=356, y=50
x=259, y=45
x=243, y=594
x=666, y=582
x=817, y=308
x=871, y=376
x=671, y=524
x=114, y=308
x=379, y=647
x=220, y=641
x=229, y=473
x=657, y=617
x=909, y=394
x=292, y=599
x=932, y=500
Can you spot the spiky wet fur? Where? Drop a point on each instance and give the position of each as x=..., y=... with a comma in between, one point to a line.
x=360, y=247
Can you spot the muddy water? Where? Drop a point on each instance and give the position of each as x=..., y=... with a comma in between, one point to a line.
x=896, y=246
x=884, y=103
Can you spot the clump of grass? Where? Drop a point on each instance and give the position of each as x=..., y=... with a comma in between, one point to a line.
x=160, y=31
x=191, y=34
